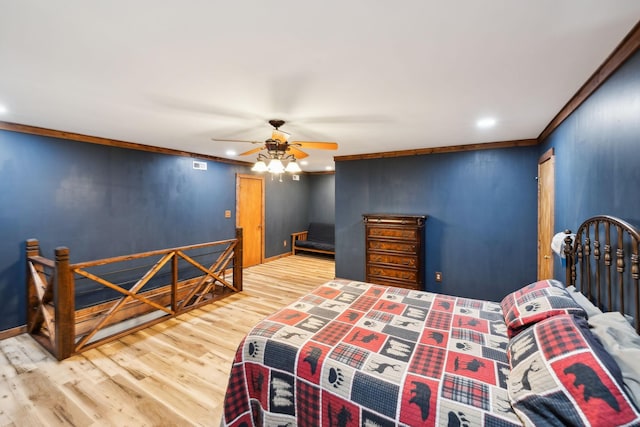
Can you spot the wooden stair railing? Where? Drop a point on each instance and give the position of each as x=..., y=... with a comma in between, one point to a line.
x=55, y=323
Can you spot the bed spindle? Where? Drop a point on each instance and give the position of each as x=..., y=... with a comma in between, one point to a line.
x=620, y=267
x=635, y=276
x=570, y=272
x=607, y=260
x=579, y=259
x=596, y=257
x=586, y=263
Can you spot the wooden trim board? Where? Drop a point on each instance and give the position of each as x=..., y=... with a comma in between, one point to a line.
x=438, y=150
x=15, y=127
x=8, y=333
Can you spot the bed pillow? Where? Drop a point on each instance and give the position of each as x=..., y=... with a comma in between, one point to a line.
x=589, y=307
x=561, y=375
x=623, y=344
x=535, y=302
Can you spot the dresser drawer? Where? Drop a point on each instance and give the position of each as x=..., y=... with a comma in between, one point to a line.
x=382, y=245
x=393, y=233
x=386, y=281
x=400, y=274
x=400, y=260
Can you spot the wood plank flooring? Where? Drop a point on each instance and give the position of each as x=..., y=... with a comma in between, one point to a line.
x=171, y=374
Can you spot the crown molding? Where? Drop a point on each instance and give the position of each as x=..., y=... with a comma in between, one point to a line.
x=16, y=127
x=439, y=150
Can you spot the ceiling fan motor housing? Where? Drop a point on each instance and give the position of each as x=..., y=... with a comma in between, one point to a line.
x=276, y=147
x=276, y=123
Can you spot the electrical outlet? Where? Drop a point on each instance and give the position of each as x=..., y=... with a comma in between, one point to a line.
x=438, y=276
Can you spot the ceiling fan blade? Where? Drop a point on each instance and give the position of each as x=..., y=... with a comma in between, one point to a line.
x=299, y=154
x=280, y=135
x=236, y=140
x=255, y=150
x=318, y=145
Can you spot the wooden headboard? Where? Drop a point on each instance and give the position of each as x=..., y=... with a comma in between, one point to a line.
x=603, y=263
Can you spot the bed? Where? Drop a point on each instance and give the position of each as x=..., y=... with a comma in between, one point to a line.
x=352, y=353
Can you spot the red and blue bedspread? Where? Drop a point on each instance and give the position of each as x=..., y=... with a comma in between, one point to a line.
x=353, y=353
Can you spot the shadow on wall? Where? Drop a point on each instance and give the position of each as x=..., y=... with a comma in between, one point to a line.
x=352, y=251
x=434, y=247
x=13, y=288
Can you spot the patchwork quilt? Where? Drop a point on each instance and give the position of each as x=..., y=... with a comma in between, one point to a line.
x=353, y=353
x=560, y=372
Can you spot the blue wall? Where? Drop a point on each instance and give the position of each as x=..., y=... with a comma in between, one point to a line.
x=286, y=212
x=322, y=191
x=103, y=201
x=481, y=208
x=291, y=205
x=597, y=150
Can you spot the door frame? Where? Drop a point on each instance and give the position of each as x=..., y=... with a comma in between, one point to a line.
x=548, y=156
x=239, y=177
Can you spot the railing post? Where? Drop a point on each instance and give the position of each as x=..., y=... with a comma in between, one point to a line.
x=174, y=282
x=32, y=249
x=237, y=261
x=64, y=304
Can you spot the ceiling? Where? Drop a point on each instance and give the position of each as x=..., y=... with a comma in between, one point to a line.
x=371, y=75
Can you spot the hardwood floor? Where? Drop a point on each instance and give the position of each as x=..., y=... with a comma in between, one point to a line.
x=173, y=373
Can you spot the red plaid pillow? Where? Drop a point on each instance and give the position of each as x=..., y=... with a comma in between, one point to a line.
x=535, y=302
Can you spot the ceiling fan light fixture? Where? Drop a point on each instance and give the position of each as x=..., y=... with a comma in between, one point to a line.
x=293, y=167
x=275, y=166
x=279, y=151
x=260, y=166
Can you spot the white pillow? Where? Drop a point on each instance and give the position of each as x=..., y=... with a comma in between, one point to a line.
x=620, y=339
x=584, y=302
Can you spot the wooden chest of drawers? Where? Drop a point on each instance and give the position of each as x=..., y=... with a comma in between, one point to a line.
x=394, y=250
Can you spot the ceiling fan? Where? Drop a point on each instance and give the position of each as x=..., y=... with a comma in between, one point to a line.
x=279, y=149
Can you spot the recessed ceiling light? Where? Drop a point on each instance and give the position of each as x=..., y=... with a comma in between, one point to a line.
x=231, y=153
x=3, y=109
x=304, y=163
x=329, y=168
x=487, y=122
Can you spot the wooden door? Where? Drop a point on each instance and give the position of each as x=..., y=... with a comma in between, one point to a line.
x=545, y=214
x=250, y=216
